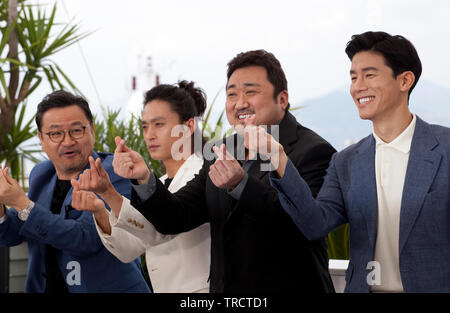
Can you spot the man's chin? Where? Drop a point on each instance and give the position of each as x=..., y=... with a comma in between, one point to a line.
x=239, y=128
x=364, y=116
x=72, y=166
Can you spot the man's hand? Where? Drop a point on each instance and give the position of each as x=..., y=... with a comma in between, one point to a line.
x=257, y=140
x=95, y=179
x=85, y=200
x=11, y=193
x=226, y=172
x=128, y=163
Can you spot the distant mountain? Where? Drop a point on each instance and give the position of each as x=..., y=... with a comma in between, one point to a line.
x=334, y=116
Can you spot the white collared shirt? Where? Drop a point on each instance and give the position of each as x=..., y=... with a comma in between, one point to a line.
x=391, y=161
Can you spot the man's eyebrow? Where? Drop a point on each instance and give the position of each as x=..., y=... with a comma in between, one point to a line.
x=156, y=119
x=365, y=69
x=53, y=126
x=245, y=84
x=251, y=85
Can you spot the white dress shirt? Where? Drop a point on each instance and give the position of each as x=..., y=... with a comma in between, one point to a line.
x=391, y=162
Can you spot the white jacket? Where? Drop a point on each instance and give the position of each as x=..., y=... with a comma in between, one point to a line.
x=176, y=263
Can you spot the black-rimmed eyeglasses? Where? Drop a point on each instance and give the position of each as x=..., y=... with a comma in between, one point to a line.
x=75, y=133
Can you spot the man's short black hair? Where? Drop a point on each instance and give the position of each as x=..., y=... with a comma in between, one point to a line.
x=398, y=52
x=61, y=99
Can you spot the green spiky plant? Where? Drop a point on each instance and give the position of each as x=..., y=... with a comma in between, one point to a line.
x=16, y=151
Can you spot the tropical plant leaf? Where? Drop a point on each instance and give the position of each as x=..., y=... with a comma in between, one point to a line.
x=5, y=87
x=13, y=149
x=6, y=34
x=338, y=243
x=298, y=107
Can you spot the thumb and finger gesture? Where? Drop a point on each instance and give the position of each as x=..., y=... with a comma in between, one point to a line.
x=95, y=178
x=226, y=172
x=258, y=140
x=120, y=145
x=128, y=163
x=11, y=193
x=83, y=200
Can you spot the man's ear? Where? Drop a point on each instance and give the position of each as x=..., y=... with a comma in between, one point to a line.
x=406, y=80
x=91, y=125
x=191, y=124
x=41, y=139
x=283, y=99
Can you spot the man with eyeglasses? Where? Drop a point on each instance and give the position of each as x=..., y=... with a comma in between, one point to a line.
x=65, y=250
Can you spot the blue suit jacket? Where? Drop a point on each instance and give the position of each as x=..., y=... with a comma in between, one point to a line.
x=349, y=194
x=74, y=234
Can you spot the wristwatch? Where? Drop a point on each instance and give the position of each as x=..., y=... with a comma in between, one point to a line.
x=23, y=215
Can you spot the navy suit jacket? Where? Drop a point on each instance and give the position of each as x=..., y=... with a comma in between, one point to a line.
x=349, y=195
x=74, y=234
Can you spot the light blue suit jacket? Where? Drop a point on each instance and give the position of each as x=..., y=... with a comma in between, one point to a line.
x=349, y=195
x=74, y=234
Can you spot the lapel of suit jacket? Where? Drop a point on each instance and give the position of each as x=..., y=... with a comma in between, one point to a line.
x=189, y=168
x=46, y=197
x=422, y=167
x=364, y=185
x=287, y=134
x=48, y=194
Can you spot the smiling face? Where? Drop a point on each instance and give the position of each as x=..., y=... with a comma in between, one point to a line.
x=250, y=97
x=70, y=156
x=375, y=91
x=158, y=120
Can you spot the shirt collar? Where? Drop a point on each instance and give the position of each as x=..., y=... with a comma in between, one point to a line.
x=403, y=142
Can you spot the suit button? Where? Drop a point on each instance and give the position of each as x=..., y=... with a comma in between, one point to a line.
x=129, y=220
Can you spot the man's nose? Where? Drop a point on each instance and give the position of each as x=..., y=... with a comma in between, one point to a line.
x=359, y=84
x=149, y=134
x=68, y=140
x=241, y=102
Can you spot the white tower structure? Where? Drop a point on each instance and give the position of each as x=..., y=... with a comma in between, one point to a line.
x=144, y=79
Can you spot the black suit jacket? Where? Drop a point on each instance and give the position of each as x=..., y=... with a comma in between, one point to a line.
x=255, y=246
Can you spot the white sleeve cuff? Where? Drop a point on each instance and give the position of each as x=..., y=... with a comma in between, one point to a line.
x=113, y=219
